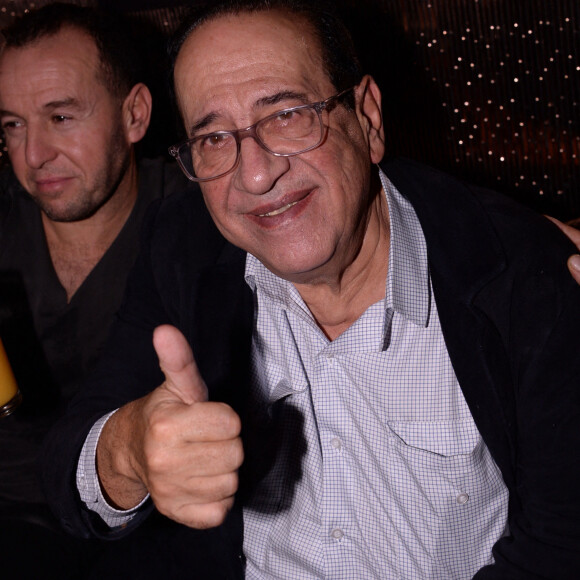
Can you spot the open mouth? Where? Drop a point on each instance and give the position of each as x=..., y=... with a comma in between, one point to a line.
x=298, y=197
x=279, y=210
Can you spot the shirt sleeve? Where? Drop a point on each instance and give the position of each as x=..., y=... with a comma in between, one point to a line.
x=87, y=480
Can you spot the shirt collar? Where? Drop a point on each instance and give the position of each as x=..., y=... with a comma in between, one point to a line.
x=408, y=284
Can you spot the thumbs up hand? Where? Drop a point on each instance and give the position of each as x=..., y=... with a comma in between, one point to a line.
x=173, y=444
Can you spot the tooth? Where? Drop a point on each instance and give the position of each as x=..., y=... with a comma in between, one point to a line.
x=279, y=211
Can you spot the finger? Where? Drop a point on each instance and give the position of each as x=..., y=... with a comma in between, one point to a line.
x=202, y=516
x=198, y=491
x=176, y=360
x=574, y=266
x=201, y=459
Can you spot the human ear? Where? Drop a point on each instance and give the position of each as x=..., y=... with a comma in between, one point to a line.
x=137, y=112
x=369, y=112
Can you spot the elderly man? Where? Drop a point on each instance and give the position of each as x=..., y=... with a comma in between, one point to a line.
x=72, y=108
x=384, y=377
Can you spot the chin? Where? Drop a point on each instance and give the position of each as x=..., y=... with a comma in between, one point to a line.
x=300, y=272
x=68, y=214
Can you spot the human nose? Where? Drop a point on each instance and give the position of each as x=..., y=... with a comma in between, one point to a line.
x=39, y=148
x=258, y=170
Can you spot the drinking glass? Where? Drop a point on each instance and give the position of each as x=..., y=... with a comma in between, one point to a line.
x=10, y=396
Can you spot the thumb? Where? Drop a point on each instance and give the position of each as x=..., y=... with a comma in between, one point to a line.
x=176, y=360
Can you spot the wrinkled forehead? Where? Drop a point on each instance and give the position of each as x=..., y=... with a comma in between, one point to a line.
x=235, y=51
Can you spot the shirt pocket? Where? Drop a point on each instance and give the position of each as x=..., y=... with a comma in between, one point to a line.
x=448, y=492
x=437, y=441
x=443, y=458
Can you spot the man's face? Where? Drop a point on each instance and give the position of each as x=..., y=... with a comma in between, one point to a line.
x=63, y=129
x=304, y=217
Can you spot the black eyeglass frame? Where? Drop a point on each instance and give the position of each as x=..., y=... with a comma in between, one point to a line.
x=240, y=134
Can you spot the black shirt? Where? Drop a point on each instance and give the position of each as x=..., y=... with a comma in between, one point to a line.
x=52, y=343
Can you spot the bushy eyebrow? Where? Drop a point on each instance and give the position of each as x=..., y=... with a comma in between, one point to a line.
x=69, y=103
x=262, y=102
x=282, y=96
x=202, y=123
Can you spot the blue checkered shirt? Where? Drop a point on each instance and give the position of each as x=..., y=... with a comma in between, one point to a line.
x=374, y=467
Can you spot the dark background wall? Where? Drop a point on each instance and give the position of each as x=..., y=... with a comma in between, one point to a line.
x=486, y=89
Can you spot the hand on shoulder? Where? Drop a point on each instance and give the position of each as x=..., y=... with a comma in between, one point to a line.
x=574, y=235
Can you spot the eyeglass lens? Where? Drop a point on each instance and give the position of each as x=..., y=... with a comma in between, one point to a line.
x=285, y=133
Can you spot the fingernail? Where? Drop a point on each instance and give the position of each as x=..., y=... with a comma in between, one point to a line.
x=575, y=262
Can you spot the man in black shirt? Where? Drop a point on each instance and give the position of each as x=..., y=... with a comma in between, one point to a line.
x=72, y=107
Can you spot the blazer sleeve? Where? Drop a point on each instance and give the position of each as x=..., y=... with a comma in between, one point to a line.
x=541, y=333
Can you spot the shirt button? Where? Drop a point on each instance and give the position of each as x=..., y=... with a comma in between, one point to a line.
x=462, y=498
x=337, y=534
x=336, y=443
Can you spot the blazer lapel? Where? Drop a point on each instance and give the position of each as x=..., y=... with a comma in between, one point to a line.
x=222, y=327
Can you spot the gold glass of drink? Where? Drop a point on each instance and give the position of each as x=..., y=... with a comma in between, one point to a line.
x=10, y=396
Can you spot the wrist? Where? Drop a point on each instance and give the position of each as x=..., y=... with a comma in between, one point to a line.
x=119, y=481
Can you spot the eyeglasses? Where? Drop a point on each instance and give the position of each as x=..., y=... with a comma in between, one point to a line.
x=285, y=133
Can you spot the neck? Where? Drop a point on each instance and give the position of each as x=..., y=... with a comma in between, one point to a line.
x=77, y=247
x=338, y=301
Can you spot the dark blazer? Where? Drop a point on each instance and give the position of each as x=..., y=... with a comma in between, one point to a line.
x=510, y=314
